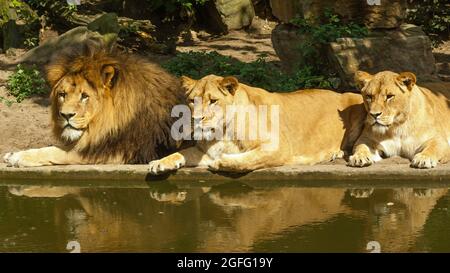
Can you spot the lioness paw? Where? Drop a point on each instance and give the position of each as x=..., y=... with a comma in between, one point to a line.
x=165, y=165
x=361, y=193
x=360, y=160
x=422, y=161
x=214, y=165
x=20, y=159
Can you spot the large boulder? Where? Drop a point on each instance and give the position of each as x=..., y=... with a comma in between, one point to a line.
x=286, y=41
x=225, y=15
x=43, y=52
x=360, y=11
x=405, y=49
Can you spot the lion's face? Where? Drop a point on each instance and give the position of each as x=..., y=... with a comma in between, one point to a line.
x=386, y=98
x=208, y=99
x=77, y=101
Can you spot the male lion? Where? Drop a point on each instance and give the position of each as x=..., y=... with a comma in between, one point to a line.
x=403, y=120
x=314, y=126
x=107, y=107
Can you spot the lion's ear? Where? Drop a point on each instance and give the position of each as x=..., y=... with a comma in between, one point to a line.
x=187, y=83
x=408, y=79
x=230, y=84
x=55, y=72
x=362, y=78
x=108, y=73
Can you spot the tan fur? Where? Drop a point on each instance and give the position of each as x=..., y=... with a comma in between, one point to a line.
x=107, y=107
x=412, y=122
x=314, y=126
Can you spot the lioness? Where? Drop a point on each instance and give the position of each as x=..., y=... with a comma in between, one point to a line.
x=107, y=107
x=314, y=126
x=403, y=120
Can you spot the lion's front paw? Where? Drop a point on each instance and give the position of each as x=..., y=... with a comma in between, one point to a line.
x=214, y=165
x=165, y=165
x=360, y=160
x=423, y=161
x=20, y=159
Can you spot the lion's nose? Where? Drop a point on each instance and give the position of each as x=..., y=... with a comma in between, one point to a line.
x=375, y=114
x=67, y=116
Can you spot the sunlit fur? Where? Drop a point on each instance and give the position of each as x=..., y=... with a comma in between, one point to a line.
x=314, y=126
x=107, y=107
x=412, y=121
x=126, y=119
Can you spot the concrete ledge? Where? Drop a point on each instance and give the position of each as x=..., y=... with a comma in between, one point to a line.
x=392, y=172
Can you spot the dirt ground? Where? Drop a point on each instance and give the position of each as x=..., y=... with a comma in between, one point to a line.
x=27, y=124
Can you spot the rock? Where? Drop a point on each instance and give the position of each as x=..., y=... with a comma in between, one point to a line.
x=12, y=37
x=405, y=49
x=225, y=15
x=359, y=11
x=285, y=10
x=105, y=24
x=43, y=53
x=286, y=42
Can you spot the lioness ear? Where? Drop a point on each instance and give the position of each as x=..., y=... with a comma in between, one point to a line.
x=408, y=79
x=362, y=78
x=187, y=83
x=108, y=73
x=230, y=84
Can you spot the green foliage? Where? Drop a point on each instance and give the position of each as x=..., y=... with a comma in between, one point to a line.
x=173, y=5
x=52, y=9
x=25, y=82
x=30, y=40
x=259, y=73
x=433, y=16
x=317, y=35
x=6, y=101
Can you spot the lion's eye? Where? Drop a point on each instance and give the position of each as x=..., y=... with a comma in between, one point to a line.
x=389, y=97
x=84, y=96
x=212, y=101
x=369, y=97
x=62, y=94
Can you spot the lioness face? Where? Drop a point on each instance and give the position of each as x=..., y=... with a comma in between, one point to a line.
x=386, y=98
x=76, y=102
x=208, y=99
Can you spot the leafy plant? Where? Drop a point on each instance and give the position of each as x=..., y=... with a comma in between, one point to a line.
x=31, y=42
x=25, y=82
x=317, y=35
x=6, y=101
x=53, y=10
x=433, y=16
x=259, y=73
x=172, y=5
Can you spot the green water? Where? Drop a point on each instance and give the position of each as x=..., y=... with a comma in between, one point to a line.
x=232, y=217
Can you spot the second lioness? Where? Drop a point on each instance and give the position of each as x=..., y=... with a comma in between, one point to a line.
x=314, y=126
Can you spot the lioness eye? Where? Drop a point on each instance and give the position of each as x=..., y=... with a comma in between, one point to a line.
x=62, y=94
x=84, y=96
x=212, y=101
x=369, y=97
x=389, y=97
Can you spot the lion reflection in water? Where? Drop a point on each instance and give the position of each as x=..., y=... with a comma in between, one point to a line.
x=229, y=217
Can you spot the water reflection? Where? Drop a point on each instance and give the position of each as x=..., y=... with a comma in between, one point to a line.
x=231, y=217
